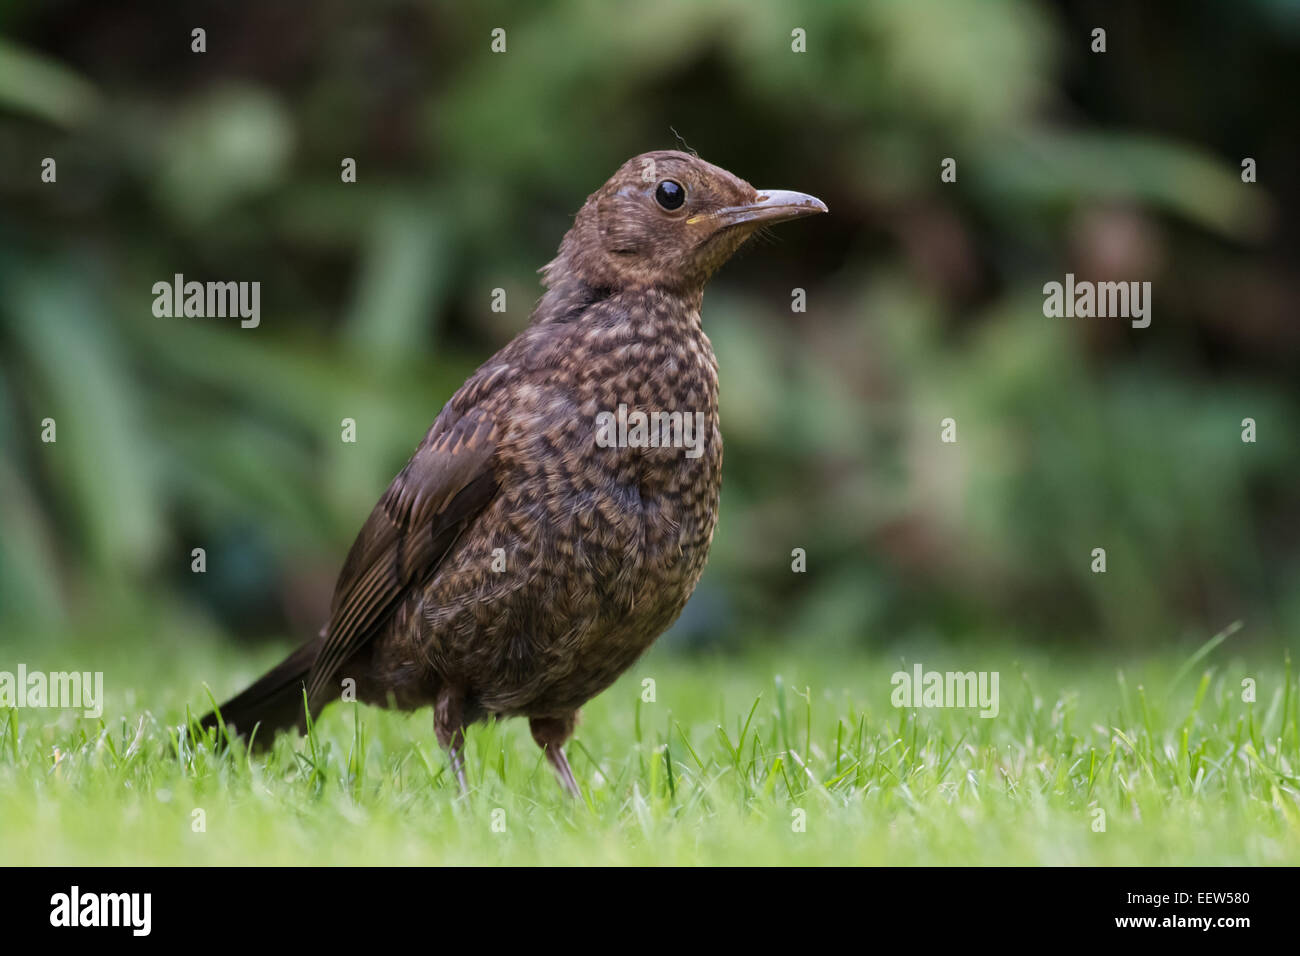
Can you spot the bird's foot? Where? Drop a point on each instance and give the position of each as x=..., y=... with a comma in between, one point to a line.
x=449, y=726
x=550, y=733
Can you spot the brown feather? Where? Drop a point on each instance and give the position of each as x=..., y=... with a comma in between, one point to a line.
x=602, y=545
x=445, y=484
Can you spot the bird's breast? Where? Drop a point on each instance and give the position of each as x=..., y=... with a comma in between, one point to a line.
x=609, y=470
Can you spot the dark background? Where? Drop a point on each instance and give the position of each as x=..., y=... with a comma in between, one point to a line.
x=924, y=300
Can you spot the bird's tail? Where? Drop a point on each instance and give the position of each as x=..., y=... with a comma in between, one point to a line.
x=273, y=702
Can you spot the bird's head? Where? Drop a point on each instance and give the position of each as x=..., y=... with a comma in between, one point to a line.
x=667, y=219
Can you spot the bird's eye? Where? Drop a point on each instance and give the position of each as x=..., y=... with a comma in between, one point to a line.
x=670, y=195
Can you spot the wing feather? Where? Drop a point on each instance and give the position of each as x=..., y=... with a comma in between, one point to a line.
x=445, y=485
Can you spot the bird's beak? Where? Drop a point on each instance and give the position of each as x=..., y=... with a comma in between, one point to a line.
x=772, y=205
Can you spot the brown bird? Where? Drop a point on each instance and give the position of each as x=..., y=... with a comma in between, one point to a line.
x=532, y=548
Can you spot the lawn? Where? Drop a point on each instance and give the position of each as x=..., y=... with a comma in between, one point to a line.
x=776, y=757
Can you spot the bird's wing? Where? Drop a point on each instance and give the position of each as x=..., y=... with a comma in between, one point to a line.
x=444, y=486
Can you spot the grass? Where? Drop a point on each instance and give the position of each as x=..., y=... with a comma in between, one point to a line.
x=720, y=768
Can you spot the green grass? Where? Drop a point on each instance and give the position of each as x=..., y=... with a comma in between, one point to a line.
x=711, y=772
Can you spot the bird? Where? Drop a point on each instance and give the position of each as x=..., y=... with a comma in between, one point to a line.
x=542, y=536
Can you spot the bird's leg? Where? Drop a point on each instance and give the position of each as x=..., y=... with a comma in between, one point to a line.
x=550, y=734
x=449, y=725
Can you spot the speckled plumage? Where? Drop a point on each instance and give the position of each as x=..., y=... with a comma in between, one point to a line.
x=515, y=567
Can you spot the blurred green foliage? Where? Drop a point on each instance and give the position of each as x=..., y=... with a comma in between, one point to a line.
x=924, y=299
